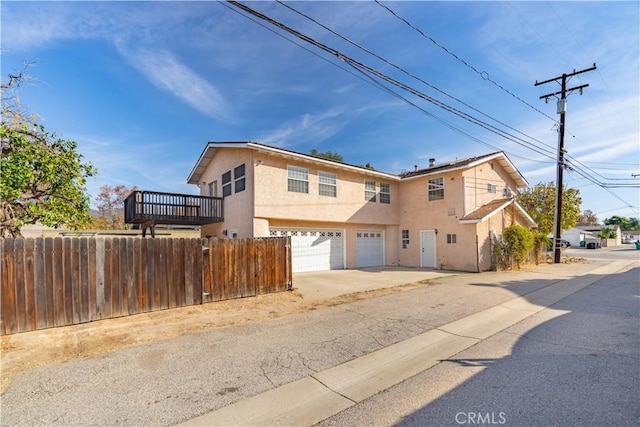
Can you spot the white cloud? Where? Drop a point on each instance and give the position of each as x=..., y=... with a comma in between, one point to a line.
x=167, y=73
x=308, y=127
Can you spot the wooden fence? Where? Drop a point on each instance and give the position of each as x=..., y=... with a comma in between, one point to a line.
x=49, y=282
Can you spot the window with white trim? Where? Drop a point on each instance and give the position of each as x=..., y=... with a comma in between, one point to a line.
x=369, y=191
x=226, y=184
x=327, y=184
x=385, y=193
x=238, y=176
x=436, y=189
x=298, y=179
x=405, y=239
x=492, y=188
x=451, y=239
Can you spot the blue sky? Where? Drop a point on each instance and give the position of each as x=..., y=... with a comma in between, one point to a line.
x=143, y=86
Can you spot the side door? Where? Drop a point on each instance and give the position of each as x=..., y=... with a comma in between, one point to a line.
x=428, y=248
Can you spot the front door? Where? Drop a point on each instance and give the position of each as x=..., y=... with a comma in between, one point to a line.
x=428, y=248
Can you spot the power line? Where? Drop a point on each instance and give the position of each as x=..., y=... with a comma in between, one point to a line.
x=402, y=69
x=483, y=74
x=360, y=65
x=444, y=122
x=294, y=42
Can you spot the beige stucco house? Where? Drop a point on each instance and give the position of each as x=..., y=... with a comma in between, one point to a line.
x=345, y=216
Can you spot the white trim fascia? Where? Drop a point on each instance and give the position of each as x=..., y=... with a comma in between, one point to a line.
x=317, y=160
x=500, y=208
x=499, y=155
x=486, y=217
x=524, y=213
x=289, y=154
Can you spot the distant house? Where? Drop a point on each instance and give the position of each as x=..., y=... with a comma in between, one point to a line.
x=345, y=216
x=576, y=235
x=595, y=229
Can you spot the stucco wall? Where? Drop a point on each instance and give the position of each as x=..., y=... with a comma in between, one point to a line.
x=273, y=200
x=418, y=213
x=476, y=180
x=238, y=207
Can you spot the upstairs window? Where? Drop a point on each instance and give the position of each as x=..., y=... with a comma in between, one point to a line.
x=436, y=189
x=238, y=176
x=491, y=188
x=226, y=184
x=298, y=179
x=385, y=193
x=327, y=184
x=370, y=191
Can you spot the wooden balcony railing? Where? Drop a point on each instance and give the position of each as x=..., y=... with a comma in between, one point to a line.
x=150, y=208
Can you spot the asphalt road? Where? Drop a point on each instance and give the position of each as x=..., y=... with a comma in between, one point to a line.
x=175, y=380
x=576, y=363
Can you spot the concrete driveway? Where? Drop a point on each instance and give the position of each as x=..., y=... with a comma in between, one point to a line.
x=320, y=285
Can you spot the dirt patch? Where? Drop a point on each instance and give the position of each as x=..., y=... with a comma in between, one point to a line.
x=26, y=351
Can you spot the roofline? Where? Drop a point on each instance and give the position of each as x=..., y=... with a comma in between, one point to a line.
x=227, y=144
x=489, y=215
x=498, y=209
x=334, y=163
x=481, y=159
x=287, y=153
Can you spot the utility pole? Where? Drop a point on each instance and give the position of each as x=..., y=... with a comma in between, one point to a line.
x=562, y=109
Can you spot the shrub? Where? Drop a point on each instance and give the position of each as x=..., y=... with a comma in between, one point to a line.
x=540, y=241
x=518, y=241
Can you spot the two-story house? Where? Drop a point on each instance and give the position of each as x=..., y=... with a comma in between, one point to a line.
x=344, y=216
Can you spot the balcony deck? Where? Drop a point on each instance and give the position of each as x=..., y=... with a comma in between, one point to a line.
x=151, y=208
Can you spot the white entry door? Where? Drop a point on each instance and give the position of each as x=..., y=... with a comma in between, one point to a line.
x=369, y=248
x=428, y=248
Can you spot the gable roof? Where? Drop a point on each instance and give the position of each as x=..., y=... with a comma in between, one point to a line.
x=212, y=147
x=470, y=162
x=491, y=208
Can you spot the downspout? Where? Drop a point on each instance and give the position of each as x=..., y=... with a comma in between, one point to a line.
x=464, y=195
x=477, y=254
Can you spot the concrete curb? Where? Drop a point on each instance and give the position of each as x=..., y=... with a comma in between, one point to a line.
x=312, y=399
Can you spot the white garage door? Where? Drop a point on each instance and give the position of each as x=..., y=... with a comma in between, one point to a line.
x=370, y=248
x=314, y=250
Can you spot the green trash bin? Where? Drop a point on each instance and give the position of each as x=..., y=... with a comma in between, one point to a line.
x=638, y=245
x=582, y=243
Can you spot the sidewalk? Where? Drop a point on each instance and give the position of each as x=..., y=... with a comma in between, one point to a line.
x=347, y=346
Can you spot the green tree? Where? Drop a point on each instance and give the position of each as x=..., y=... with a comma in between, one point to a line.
x=607, y=233
x=626, y=224
x=518, y=241
x=42, y=177
x=329, y=155
x=540, y=201
x=587, y=217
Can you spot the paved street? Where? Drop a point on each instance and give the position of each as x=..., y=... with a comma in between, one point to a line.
x=575, y=363
x=179, y=379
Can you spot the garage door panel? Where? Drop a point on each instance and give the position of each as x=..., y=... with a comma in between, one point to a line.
x=369, y=248
x=314, y=250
